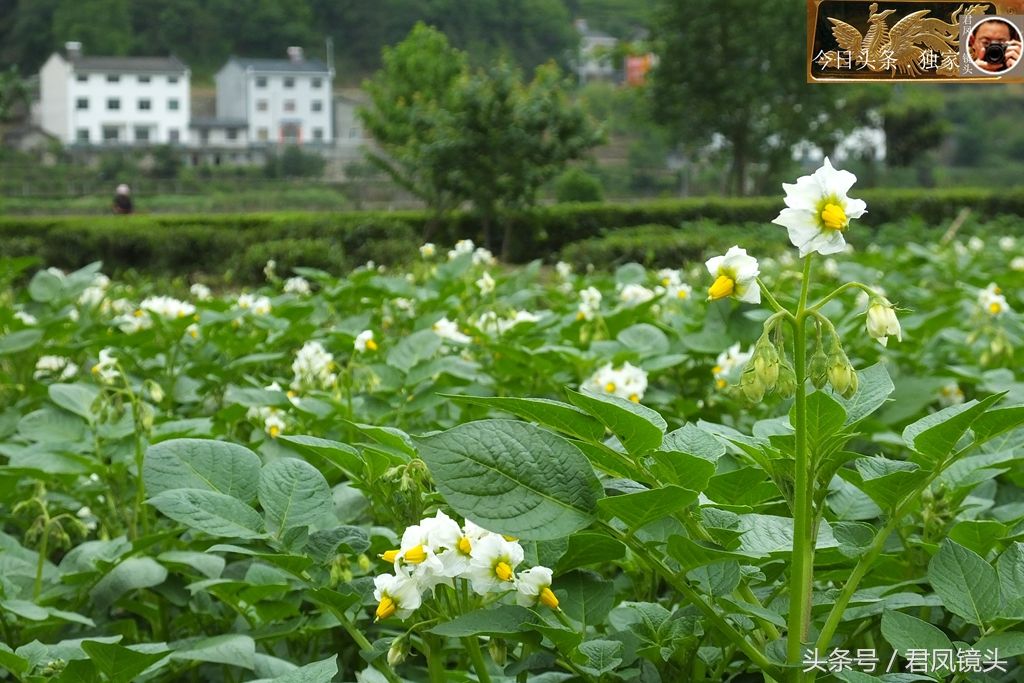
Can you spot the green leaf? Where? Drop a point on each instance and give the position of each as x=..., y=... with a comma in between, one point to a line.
x=323, y=671
x=967, y=584
x=234, y=649
x=414, y=349
x=1011, y=576
x=693, y=440
x=717, y=578
x=45, y=287
x=691, y=554
x=644, y=340
x=206, y=564
x=216, y=466
x=513, y=478
x=825, y=417
x=588, y=548
x=639, y=428
x=585, y=596
x=600, y=656
x=51, y=425
x=997, y=421
x=874, y=387
x=118, y=663
x=255, y=397
x=22, y=340
x=132, y=574
x=905, y=632
x=887, y=482
x=75, y=398
x=344, y=457
x=211, y=512
x=503, y=620
x=682, y=469
x=293, y=493
x=555, y=414
x=934, y=436
x=637, y=510
x=1008, y=645
x=978, y=535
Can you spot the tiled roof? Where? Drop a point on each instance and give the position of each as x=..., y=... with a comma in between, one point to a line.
x=279, y=65
x=130, y=64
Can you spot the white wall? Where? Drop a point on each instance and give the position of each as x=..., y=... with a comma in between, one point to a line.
x=276, y=95
x=231, y=95
x=54, y=115
x=129, y=90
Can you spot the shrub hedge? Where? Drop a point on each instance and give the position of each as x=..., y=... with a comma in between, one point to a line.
x=214, y=243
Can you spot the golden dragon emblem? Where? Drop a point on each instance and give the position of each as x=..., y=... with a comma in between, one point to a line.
x=914, y=45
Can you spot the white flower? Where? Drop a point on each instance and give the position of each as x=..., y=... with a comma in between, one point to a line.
x=492, y=564
x=485, y=283
x=404, y=304
x=882, y=322
x=396, y=596
x=427, y=250
x=273, y=425
x=564, y=270
x=679, y=291
x=105, y=368
x=533, y=586
x=1007, y=243
x=312, y=367
x=297, y=285
x=56, y=272
x=590, y=304
x=364, y=341
x=201, y=292
x=1017, y=263
x=729, y=364
x=130, y=323
x=669, y=277
x=483, y=257
x=490, y=323
x=735, y=275
x=818, y=211
x=47, y=366
x=993, y=302
x=976, y=244
x=92, y=295
x=270, y=269
x=167, y=307
x=461, y=247
x=192, y=330
x=634, y=294
x=951, y=395
x=831, y=267
x=447, y=329
x=26, y=318
x=628, y=382
x=260, y=305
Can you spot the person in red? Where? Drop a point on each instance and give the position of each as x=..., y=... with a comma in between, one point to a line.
x=123, y=199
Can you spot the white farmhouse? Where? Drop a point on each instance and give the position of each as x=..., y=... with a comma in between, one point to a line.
x=114, y=100
x=283, y=101
x=594, y=60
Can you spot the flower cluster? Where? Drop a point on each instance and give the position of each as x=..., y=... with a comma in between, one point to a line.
x=167, y=307
x=628, y=382
x=105, y=368
x=55, y=366
x=449, y=330
x=437, y=552
x=313, y=367
x=992, y=301
x=297, y=285
x=491, y=323
x=590, y=304
x=260, y=305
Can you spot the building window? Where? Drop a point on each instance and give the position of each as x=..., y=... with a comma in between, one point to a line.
x=82, y=103
x=82, y=135
x=261, y=105
x=262, y=135
x=317, y=82
x=353, y=133
x=172, y=79
x=113, y=78
x=289, y=105
x=318, y=105
x=111, y=133
x=144, y=79
x=232, y=133
x=204, y=137
x=261, y=81
x=172, y=104
x=289, y=82
x=318, y=134
x=113, y=104
x=141, y=133
x=173, y=135
x=145, y=104
x=82, y=78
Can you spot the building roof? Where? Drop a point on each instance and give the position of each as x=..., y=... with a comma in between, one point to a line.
x=213, y=122
x=282, y=65
x=130, y=64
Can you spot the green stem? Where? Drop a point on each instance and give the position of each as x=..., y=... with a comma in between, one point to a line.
x=477, y=657
x=802, y=574
x=770, y=299
x=435, y=661
x=840, y=290
x=766, y=626
x=41, y=562
x=364, y=644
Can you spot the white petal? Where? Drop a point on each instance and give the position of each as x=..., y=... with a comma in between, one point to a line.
x=714, y=263
x=804, y=194
x=830, y=242
x=752, y=294
x=855, y=208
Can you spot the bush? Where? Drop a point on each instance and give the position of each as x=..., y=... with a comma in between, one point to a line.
x=289, y=253
x=576, y=185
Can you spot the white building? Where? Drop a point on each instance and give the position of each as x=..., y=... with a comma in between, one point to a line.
x=283, y=101
x=594, y=61
x=114, y=100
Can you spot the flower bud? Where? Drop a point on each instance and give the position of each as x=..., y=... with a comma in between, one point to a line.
x=751, y=385
x=854, y=384
x=154, y=390
x=818, y=369
x=882, y=322
x=765, y=362
x=840, y=372
x=398, y=651
x=498, y=650
x=786, y=386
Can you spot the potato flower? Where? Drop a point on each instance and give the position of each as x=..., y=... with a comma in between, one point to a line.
x=448, y=329
x=492, y=564
x=735, y=275
x=364, y=342
x=628, y=382
x=397, y=595
x=818, y=211
x=533, y=586
x=882, y=322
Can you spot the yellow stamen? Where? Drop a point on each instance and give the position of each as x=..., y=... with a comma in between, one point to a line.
x=995, y=307
x=721, y=384
x=547, y=598
x=370, y=344
x=580, y=315
x=510, y=539
x=665, y=281
x=503, y=571
x=724, y=286
x=181, y=314
x=386, y=608
x=610, y=387
x=291, y=393
x=138, y=313
x=96, y=369
x=415, y=555
x=194, y=334
x=465, y=546
x=834, y=217
x=274, y=431
x=682, y=294
x=716, y=370
x=634, y=398
x=389, y=555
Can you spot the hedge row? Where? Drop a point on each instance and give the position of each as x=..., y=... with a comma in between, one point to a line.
x=243, y=242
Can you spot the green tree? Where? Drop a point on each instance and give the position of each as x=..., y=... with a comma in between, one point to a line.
x=102, y=26
x=13, y=94
x=738, y=72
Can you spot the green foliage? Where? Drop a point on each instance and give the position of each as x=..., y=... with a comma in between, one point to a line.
x=294, y=162
x=576, y=185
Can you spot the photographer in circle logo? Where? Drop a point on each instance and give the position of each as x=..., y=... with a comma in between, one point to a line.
x=994, y=45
